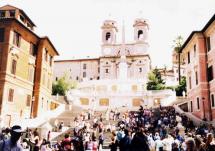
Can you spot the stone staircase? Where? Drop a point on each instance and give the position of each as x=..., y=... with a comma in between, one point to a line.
x=67, y=117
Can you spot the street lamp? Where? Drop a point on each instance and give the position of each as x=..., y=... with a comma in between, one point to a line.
x=32, y=104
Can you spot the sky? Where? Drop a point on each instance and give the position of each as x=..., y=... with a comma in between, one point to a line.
x=74, y=26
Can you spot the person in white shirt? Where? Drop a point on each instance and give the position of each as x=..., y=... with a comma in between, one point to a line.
x=167, y=143
x=158, y=144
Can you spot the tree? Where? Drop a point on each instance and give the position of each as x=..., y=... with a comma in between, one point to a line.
x=155, y=81
x=177, y=47
x=62, y=85
x=182, y=87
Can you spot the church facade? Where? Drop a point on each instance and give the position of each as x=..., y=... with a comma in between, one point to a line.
x=107, y=65
x=118, y=77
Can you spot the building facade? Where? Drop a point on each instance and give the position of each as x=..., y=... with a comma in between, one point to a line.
x=26, y=67
x=78, y=70
x=107, y=65
x=199, y=51
x=118, y=77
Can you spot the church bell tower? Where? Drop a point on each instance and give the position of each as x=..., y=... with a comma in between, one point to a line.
x=140, y=30
x=109, y=30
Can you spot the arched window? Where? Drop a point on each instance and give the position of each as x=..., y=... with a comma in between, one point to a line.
x=107, y=36
x=140, y=33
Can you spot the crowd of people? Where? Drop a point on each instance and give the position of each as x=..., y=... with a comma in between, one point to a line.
x=162, y=129
x=158, y=129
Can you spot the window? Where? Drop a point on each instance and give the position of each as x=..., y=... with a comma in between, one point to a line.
x=28, y=101
x=29, y=25
x=106, y=62
x=56, y=78
x=50, y=61
x=208, y=42
x=140, y=69
x=212, y=100
x=194, y=49
x=98, y=70
x=190, y=84
x=22, y=18
x=84, y=66
x=10, y=95
x=31, y=73
x=13, y=66
x=140, y=33
x=107, y=36
x=188, y=57
x=16, y=39
x=44, y=80
x=84, y=74
x=12, y=13
x=197, y=81
x=197, y=101
x=2, y=13
x=1, y=34
x=33, y=49
x=106, y=71
x=42, y=105
x=210, y=73
x=46, y=55
x=191, y=106
x=77, y=78
x=48, y=84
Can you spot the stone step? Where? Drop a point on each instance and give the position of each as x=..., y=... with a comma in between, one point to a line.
x=61, y=136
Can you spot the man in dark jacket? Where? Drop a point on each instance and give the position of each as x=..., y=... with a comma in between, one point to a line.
x=125, y=142
x=139, y=142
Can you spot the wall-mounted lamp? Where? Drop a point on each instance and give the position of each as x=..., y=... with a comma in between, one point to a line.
x=14, y=51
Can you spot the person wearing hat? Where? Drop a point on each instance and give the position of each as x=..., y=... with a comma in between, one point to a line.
x=12, y=143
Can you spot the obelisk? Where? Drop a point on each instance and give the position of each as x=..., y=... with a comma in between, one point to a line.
x=123, y=67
